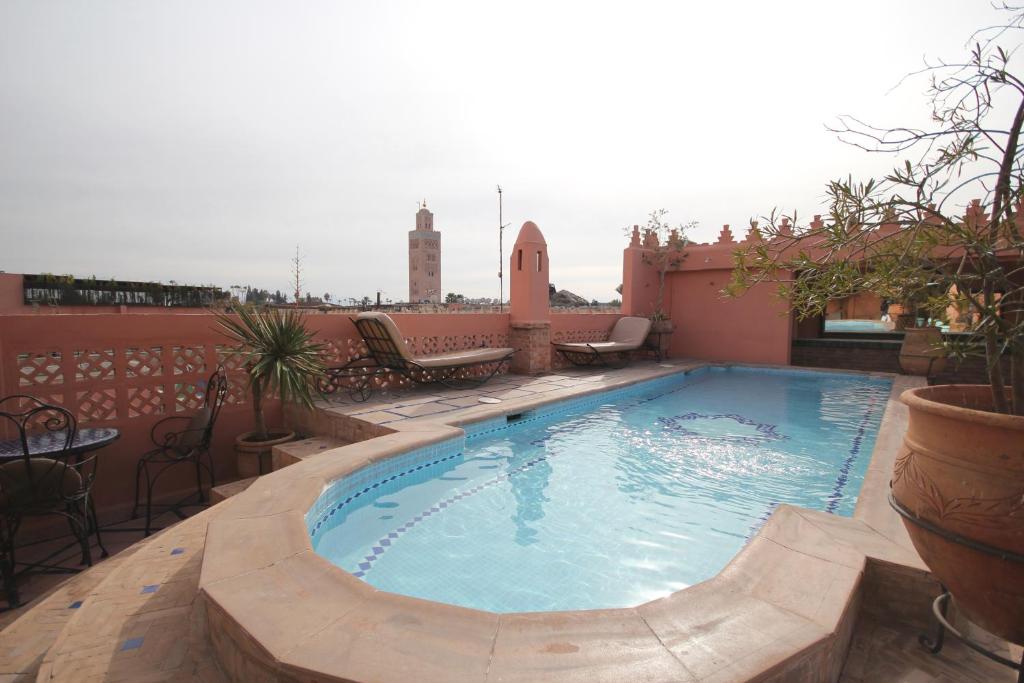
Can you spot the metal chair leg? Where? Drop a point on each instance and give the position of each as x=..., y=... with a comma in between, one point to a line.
x=7, y=564
x=138, y=476
x=96, y=527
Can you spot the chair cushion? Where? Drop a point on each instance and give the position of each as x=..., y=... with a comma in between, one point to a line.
x=630, y=330
x=193, y=434
x=392, y=330
x=600, y=347
x=466, y=357
x=51, y=481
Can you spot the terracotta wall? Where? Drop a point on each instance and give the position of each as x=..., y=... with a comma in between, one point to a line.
x=130, y=370
x=754, y=328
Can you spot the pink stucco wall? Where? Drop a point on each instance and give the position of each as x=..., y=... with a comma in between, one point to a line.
x=130, y=370
x=754, y=328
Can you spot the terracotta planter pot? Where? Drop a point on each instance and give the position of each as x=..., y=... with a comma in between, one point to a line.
x=922, y=353
x=660, y=336
x=962, y=469
x=663, y=326
x=254, y=457
x=904, y=321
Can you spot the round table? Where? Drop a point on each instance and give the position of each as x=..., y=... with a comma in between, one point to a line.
x=43, y=444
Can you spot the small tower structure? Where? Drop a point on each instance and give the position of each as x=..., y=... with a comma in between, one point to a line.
x=424, y=259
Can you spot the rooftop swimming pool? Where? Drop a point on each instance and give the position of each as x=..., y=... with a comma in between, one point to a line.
x=610, y=500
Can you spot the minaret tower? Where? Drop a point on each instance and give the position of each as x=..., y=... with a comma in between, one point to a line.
x=424, y=259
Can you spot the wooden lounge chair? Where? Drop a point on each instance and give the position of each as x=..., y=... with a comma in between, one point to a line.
x=627, y=335
x=387, y=348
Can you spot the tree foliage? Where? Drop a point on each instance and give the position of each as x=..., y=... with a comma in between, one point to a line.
x=915, y=235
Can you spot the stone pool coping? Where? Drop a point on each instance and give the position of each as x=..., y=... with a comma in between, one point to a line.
x=784, y=606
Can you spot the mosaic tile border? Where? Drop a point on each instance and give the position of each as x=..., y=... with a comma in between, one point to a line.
x=855, y=447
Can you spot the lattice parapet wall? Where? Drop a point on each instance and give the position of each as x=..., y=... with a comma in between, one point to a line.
x=121, y=381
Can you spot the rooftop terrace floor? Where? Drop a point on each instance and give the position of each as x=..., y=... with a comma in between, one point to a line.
x=135, y=615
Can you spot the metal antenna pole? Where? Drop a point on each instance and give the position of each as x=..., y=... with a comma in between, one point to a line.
x=501, y=257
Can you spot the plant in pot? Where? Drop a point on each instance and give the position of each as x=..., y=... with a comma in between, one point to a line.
x=664, y=249
x=281, y=359
x=958, y=480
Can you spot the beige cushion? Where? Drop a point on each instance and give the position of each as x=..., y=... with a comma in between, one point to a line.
x=194, y=430
x=628, y=334
x=600, y=347
x=630, y=330
x=52, y=479
x=391, y=328
x=466, y=357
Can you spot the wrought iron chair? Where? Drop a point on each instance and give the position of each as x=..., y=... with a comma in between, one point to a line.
x=181, y=440
x=59, y=483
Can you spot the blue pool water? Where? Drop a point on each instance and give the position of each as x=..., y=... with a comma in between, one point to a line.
x=604, y=502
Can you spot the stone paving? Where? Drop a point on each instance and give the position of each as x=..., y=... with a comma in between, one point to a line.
x=389, y=409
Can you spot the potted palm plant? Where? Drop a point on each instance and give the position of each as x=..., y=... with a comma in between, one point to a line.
x=958, y=480
x=281, y=359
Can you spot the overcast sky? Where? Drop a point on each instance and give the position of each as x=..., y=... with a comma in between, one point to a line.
x=201, y=141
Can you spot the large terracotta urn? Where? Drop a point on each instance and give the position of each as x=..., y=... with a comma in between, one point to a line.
x=922, y=353
x=961, y=468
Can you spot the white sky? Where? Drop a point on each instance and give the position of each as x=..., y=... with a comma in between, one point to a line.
x=201, y=141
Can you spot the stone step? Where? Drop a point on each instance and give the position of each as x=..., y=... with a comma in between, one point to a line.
x=25, y=641
x=296, y=451
x=143, y=621
x=225, y=491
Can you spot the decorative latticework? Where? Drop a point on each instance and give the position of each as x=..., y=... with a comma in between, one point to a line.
x=146, y=400
x=189, y=396
x=238, y=392
x=97, y=405
x=94, y=364
x=40, y=369
x=144, y=362
x=188, y=360
x=578, y=336
x=230, y=357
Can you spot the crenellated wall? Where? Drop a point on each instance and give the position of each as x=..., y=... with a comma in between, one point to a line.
x=754, y=328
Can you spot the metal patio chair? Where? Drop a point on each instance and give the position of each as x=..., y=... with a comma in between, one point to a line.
x=181, y=440
x=34, y=486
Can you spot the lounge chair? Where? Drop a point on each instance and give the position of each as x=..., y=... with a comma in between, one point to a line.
x=627, y=335
x=387, y=348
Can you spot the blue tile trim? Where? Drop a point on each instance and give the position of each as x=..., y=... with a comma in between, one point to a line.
x=75, y=605
x=177, y=551
x=151, y=588
x=132, y=644
x=766, y=431
x=844, y=471
x=382, y=545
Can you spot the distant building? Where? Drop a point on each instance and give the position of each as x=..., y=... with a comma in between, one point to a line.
x=424, y=259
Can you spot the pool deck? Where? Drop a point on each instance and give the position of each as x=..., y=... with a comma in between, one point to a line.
x=785, y=606
x=256, y=604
